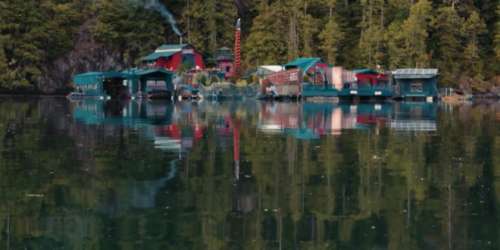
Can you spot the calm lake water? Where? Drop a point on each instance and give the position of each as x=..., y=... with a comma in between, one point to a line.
x=248, y=175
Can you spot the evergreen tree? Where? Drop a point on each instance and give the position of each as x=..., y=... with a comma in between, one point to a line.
x=266, y=43
x=472, y=29
x=415, y=31
x=396, y=46
x=372, y=33
x=331, y=39
x=449, y=48
x=308, y=31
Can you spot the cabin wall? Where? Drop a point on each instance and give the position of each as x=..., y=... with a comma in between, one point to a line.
x=417, y=87
x=223, y=66
x=174, y=62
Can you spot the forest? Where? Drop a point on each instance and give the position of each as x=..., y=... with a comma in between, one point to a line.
x=44, y=42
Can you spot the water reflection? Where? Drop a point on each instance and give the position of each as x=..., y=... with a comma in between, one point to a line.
x=248, y=175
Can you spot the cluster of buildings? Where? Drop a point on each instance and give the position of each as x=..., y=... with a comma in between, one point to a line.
x=310, y=77
x=175, y=70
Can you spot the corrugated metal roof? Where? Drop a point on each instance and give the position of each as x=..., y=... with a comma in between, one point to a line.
x=172, y=46
x=304, y=63
x=143, y=72
x=96, y=77
x=155, y=55
x=165, y=50
x=414, y=73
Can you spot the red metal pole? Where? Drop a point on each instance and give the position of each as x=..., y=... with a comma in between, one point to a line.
x=237, y=49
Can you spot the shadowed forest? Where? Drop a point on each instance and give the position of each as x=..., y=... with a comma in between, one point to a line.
x=44, y=42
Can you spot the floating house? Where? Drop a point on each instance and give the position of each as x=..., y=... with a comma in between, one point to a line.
x=130, y=83
x=415, y=83
x=369, y=83
x=175, y=56
x=225, y=61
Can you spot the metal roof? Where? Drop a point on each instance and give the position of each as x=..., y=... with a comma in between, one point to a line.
x=155, y=55
x=304, y=63
x=165, y=50
x=415, y=73
x=96, y=77
x=143, y=72
x=172, y=47
x=224, y=53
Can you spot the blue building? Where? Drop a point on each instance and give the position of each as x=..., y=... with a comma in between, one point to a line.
x=416, y=83
x=129, y=83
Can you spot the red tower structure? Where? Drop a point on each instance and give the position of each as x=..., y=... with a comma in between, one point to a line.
x=237, y=48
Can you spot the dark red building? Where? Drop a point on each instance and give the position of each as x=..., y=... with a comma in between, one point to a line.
x=174, y=56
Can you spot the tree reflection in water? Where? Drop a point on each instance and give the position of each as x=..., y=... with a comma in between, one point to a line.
x=247, y=175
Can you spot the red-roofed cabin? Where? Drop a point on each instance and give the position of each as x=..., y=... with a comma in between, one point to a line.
x=173, y=56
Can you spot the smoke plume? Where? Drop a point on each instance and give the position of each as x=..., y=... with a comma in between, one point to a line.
x=164, y=12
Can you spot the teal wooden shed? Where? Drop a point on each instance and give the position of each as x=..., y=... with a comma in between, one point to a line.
x=128, y=83
x=416, y=83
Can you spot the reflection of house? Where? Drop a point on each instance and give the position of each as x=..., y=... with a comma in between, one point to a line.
x=416, y=83
x=275, y=117
x=175, y=56
x=414, y=117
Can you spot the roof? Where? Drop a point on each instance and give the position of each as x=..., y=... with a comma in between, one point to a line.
x=415, y=73
x=165, y=50
x=304, y=63
x=144, y=72
x=177, y=47
x=155, y=55
x=224, y=53
x=364, y=71
x=96, y=77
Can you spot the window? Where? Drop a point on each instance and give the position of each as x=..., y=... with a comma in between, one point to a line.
x=188, y=60
x=228, y=69
x=416, y=87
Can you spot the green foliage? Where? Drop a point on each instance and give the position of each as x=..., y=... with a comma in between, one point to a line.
x=449, y=48
x=473, y=28
x=461, y=38
x=415, y=30
x=265, y=43
x=33, y=34
x=331, y=39
x=128, y=29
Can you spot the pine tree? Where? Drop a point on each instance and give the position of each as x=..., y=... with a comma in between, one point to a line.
x=266, y=43
x=449, y=49
x=308, y=30
x=415, y=30
x=331, y=39
x=472, y=29
x=396, y=46
x=371, y=41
